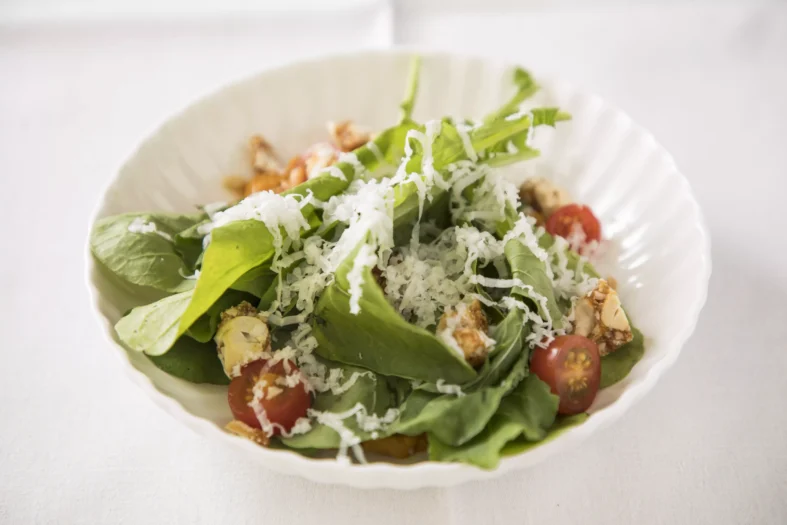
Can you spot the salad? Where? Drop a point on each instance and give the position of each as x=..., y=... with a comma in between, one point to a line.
x=388, y=294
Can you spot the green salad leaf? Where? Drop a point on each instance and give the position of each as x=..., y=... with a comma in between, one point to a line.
x=457, y=419
x=378, y=338
x=509, y=336
x=525, y=86
x=529, y=269
x=529, y=411
x=256, y=281
x=412, y=88
x=144, y=259
x=562, y=424
x=617, y=365
x=204, y=328
x=153, y=328
x=193, y=361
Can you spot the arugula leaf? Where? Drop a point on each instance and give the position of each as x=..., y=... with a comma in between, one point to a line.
x=448, y=148
x=457, y=419
x=193, y=361
x=529, y=269
x=378, y=338
x=526, y=87
x=144, y=259
x=509, y=336
x=528, y=411
x=617, y=365
x=412, y=88
x=500, y=156
x=371, y=392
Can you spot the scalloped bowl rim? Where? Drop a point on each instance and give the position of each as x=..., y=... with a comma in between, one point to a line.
x=422, y=474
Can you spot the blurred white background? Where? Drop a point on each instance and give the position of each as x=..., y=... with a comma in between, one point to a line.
x=83, y=81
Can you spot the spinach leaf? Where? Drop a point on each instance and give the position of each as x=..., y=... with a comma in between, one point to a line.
x=371, y=392
x=193, y=361
x=153, y=328
x=144, y=259
x=529, y=269
x=457, y=419
x=204, y=328
x=188, y=243
x=617, y=365
x=378, y=338
x=562, y=423
x=528, y=411
x=256, y=281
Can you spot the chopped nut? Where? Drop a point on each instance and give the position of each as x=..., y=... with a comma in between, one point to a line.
x=347, y=135
x=263, y=158
x=242, y=337
x=537, y=216
x=235, y=184
x=599, y=316
x=263, y=182
x=543, y=195
x=466, y=328
x=319, y=156
x=241, y=429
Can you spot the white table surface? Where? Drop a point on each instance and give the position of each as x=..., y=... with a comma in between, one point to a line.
x=80, y=444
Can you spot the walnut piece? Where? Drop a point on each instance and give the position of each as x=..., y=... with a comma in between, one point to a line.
x=263, y=159
x=347, y=135
x=599, y=316
x=241, y=429
x=544, y=196
x=466, y=328
x=242, y=337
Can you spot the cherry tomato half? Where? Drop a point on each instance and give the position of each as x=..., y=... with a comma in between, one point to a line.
x=283, y=405
x=566, y=221
x=571, y=366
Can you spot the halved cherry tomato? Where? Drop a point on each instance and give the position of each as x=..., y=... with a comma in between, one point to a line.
x=575, y=220
x=283, y=405
x=571, y=366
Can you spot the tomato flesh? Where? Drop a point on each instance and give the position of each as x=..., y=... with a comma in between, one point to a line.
x=571, y=366
x=282, y=404
x=575, y=221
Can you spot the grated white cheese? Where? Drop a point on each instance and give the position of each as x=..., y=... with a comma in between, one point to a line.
x=445, y=388
x=139, y=225
x=277, y=212
x=365, y=259
x=463, y=129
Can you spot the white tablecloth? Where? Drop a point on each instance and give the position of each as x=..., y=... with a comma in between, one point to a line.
x=80, y=444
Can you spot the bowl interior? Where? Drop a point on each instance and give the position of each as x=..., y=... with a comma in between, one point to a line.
x=658, y=248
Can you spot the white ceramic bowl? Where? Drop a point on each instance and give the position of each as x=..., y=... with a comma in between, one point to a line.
x=660, y=255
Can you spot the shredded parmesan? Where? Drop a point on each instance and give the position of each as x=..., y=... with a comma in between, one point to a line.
x=139, y=225
x=365, y=259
